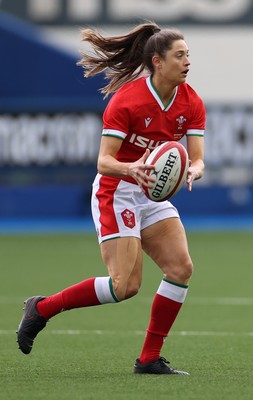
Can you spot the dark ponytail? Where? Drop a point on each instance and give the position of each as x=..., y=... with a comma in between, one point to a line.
x=120, y=57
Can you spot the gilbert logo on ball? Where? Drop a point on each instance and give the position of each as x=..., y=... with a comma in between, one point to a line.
x=171, y=165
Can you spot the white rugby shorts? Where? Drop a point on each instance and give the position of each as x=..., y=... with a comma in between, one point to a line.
x=121, y=209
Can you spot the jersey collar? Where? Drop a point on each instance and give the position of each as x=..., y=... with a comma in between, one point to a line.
x=157, y=97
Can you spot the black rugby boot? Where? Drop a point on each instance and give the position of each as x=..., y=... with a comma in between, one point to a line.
x=30, y=325
x=156, y=367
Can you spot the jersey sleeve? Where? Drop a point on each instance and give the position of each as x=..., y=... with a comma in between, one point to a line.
x=116, y=118
x=197, y=122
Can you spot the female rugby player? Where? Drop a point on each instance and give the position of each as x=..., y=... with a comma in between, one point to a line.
x=144, y=111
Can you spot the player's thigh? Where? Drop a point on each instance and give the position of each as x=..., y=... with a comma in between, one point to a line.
x=123, y=259
x=166, y=243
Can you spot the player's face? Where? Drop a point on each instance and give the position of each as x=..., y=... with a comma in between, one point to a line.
x=174, y=67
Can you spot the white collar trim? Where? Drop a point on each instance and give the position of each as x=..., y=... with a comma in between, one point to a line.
x=156, y=95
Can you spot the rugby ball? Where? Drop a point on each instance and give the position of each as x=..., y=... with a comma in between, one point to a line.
x=171, y=165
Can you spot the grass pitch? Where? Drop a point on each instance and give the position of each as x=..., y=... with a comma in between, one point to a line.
x=89, y=353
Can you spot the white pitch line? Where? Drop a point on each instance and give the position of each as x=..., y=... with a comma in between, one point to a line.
x=131, y=333
x=142, y=333
x=205, y=301
x=224, y=301
x=191, y=300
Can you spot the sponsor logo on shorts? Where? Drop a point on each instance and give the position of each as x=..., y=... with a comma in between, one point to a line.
x=128, y=218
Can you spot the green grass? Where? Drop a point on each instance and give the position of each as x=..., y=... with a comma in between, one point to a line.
x=212, y=337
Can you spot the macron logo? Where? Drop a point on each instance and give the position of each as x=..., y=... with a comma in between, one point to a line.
x=147, y=121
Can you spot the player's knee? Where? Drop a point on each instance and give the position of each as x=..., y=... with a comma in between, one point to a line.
x=180, y=272
x=187, y=270
x=132, y=289
x=124, y=289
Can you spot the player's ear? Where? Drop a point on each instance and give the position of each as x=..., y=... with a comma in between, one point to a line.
x=156, y=60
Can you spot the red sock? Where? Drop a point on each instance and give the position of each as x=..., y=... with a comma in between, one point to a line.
x=163, y=313
x=82, y=294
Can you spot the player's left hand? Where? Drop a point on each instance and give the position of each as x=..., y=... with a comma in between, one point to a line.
x=192, y=175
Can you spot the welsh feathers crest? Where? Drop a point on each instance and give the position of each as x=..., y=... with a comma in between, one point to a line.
x=180, y=121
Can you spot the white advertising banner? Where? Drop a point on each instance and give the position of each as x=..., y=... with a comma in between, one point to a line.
x=73, y=139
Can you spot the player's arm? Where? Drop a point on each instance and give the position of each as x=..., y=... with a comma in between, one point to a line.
x=195, y=148
x=110, y=166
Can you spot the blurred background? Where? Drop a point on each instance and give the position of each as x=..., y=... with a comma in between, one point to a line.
x=50, y=116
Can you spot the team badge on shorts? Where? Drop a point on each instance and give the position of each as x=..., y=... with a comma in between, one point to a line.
x=128, y=218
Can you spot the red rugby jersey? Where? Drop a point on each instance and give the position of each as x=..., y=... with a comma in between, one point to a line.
x=137, y=115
